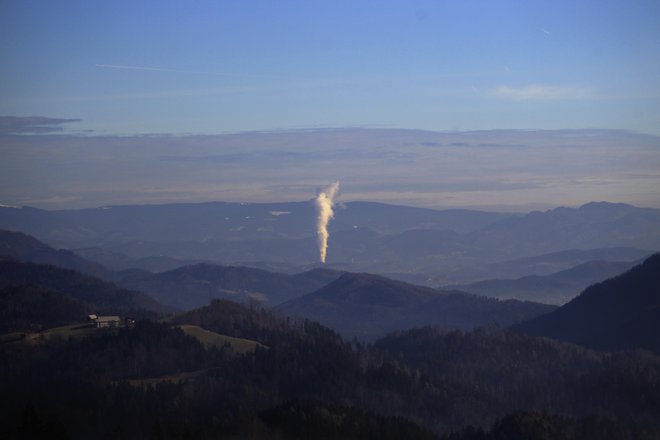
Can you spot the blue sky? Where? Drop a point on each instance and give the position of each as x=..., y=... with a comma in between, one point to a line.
x=229, y=66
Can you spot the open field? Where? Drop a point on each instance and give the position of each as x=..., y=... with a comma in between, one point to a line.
x=64, y=332
x=172, y=378
x=209, y=338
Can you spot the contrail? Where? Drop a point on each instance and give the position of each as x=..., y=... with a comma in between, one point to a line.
x=325, y=202
x=197, y=72
x=153, y=69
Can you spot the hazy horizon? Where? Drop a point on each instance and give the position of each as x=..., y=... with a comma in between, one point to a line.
x=506, y=106
x=510, y=170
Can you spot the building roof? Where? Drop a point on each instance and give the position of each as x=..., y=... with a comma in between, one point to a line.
x=108, y=318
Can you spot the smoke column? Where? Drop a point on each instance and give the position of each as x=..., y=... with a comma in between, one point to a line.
x=325, y=202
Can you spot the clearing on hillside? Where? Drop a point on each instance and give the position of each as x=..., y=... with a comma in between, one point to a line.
x=209, y=338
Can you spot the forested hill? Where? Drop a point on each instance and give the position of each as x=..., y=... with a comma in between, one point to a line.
x=369, y=306
x=194, y=286
x=96, y=294
x=153, y=381
x=35, y=308
x=498, y=371
x=441, y=378
x=617, y=314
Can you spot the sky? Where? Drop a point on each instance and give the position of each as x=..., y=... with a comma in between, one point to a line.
x=211, y=66
x=506, y=105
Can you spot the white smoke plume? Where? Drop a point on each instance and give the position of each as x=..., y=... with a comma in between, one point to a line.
x=325, y=202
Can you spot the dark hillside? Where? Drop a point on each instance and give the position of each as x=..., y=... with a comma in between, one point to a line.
x=105, y=297
x=369, y=306
x=22, y=247
x=617, y=314
x=34, y=308
x=528, y=425
x=503, y=369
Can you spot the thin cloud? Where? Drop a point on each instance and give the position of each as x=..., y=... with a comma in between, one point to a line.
x=53, y=200
x=168, y=93
x=222, y=90
x=32, y=124
x=152, y=69
x=196, y=72
x=538, y=92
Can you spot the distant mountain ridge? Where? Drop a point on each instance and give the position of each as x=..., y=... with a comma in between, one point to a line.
x=19, y=246
x=441, y=246
x=556, y=288
x=369, y=306
x=421, y=246
x=225, y=221
x=593, y=225
x=549, y=263
x=194, y=286
x=617, y=314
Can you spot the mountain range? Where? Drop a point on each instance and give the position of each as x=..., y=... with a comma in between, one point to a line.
x=355, y=304
x=361, y=305
x=424, y=246
x=225, y=221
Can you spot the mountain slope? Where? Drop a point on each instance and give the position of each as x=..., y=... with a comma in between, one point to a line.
x=33, y=308
x=367, y=306
x=117, y=261
x=195, y=286
x=557, y=288
x=620, y=313
x=101, y=295
x=22, y=247
x=529, y=288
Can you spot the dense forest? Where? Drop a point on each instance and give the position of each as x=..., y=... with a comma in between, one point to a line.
x=305, y=381
x=32, y=308
x=89, y=291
